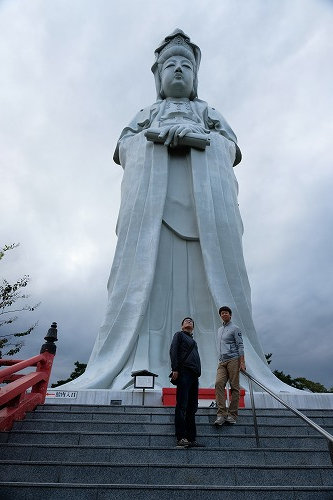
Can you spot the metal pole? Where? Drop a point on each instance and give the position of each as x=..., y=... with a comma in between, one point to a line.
x=322, y=431
x=291, y=408
x=330, y=449
x=227, y=389
x=254, y=413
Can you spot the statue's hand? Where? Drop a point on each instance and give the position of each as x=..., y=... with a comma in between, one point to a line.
x=172, y=133
x=183, y=135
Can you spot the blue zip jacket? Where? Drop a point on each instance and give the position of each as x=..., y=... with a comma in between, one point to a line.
x=180, y=346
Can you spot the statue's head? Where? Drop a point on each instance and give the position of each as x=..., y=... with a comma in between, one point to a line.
x=176, y=51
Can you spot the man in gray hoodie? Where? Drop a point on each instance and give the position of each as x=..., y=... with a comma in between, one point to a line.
x=230, y=350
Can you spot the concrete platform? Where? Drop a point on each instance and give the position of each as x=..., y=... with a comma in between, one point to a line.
x=153, y=397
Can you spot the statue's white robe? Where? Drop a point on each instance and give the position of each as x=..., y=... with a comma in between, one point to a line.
x=122, y=344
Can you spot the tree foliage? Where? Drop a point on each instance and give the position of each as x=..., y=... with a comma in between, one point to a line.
x=79, y=370
x=12, y=301
x=268, y=357
x=301, y=382
x=298, y=382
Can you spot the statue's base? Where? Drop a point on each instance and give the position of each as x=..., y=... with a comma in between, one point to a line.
x=153, y=397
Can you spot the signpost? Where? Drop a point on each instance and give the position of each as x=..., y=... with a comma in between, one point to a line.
x=143, y=379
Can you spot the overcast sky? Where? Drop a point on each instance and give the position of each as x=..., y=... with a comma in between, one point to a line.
x=74, y=73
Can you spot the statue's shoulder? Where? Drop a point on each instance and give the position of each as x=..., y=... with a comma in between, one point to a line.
x=146, y=113
x=215, y=115
x=215, y=121
x=211, y=114
x=141, y=121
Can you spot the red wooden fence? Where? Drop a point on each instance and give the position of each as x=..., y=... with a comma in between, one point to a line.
x=23, y=392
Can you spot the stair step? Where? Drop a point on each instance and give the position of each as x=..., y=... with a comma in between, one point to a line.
x=221, y=440
x=109, y=416
x=170, y=410
x=164, y=455
x=65, y=491
x=106, y=473
x=158, y=427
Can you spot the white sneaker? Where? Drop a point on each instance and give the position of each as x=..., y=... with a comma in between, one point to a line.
x=230, y=419
x=219, y=421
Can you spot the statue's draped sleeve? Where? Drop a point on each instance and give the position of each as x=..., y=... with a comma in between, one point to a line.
x=140, y=122
x=216, y=122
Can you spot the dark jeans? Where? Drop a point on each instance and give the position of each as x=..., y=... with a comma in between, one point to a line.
x=187, y=405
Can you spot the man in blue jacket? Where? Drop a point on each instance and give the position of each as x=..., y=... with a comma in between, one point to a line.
x=186, y=370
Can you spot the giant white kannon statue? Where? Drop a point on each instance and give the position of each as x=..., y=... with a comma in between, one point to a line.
x=179, y=251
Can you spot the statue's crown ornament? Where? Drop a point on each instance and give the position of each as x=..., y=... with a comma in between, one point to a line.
x=174, y=45
x=177, y=43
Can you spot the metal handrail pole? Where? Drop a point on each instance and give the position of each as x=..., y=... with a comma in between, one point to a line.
x=291, y=408
x=255, y=423
x=330, y=449
x=227, y=389
x=315, y=426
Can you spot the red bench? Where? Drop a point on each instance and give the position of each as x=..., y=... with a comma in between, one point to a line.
x=169, y=396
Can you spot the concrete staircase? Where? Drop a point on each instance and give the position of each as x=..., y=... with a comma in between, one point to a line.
x=116, y=452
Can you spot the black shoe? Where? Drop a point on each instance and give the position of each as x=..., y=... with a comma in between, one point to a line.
x=183, y=443
x=195, y=444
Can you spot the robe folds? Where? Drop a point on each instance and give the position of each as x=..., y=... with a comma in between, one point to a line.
x=122, y=344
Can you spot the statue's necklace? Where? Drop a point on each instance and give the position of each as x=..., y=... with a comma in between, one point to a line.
x=180, y=106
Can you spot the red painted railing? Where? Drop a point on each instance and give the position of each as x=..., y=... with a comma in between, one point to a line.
x=16, y=398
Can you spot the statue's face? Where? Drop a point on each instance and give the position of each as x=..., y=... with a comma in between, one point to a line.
x=177, y=77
